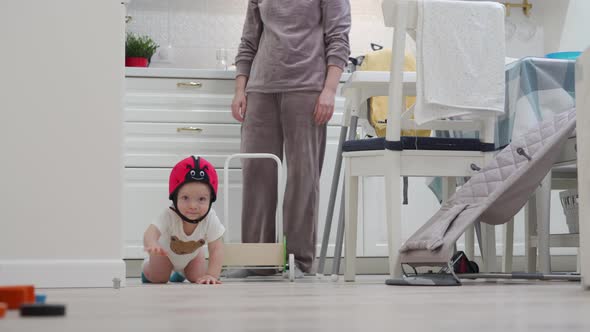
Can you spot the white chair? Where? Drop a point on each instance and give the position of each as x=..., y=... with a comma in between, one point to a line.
x=393, y=162
x=537, y=237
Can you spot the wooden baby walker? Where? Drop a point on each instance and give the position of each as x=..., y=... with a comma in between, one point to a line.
x=258, y=255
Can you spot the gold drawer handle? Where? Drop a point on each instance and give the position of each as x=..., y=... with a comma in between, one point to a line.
x=189, y=84
x=190, y=129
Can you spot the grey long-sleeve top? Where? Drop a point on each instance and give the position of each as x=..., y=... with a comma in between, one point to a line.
x=287, y=45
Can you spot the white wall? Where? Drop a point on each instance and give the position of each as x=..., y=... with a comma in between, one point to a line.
x=525, y=35
x=60, y=180
x=567, y=24
x=559, y=25
x=193, y=29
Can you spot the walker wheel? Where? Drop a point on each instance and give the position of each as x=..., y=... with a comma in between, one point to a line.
x=291, y=267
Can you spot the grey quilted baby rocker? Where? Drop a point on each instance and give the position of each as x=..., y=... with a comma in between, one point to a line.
x=494, y=195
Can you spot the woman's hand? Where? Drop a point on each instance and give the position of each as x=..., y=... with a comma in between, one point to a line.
x=238, y=106
x=208, y=280
x=324, y=108
x=156, y=250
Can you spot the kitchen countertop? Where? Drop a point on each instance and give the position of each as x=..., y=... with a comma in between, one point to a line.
x=188, y=73
x=179, y=73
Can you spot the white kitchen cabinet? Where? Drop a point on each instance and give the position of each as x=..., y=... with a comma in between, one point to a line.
x=172, y=113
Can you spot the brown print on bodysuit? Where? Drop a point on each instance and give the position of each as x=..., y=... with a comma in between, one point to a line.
x=183, y=248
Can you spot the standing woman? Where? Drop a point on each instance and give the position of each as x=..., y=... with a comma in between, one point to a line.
x=289, y=63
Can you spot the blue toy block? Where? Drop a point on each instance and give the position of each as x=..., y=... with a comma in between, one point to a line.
x=144, y=280
x=177, y=277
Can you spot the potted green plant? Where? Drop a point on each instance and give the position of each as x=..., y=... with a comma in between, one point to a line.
x=139, y=50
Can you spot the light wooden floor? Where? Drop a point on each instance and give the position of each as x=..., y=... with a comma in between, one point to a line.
x=317, y=305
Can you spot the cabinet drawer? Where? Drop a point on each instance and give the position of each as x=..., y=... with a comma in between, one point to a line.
x=163, y=145
x=182, y=86
x=162, y=100
x=162, y=108
x=209, y=109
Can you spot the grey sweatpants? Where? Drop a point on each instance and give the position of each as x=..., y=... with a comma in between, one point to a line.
x=274, y=119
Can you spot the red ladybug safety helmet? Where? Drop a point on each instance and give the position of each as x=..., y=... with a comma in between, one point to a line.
x=193, y=169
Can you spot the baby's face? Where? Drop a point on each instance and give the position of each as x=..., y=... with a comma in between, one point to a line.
x=193, y=199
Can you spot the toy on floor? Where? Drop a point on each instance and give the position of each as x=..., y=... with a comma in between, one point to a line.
x=40, y=298
x=15, y=296
x=258, y=255
x=175, y=277
x=42, y=310
x=23, y=297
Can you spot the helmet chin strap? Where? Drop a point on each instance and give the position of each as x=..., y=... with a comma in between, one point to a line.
x=185, y=218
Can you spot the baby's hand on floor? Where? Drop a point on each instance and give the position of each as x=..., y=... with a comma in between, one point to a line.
x=208, y=280
x=156, y=250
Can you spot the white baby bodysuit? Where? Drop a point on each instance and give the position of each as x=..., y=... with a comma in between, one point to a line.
x=180, y=247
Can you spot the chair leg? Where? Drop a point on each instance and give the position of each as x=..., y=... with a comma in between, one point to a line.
x=530, y=229
x=393, y=211
x=578, y=262
x=508, y=246
x=477, y=231
x=543, y=214
x=351, y=187
x=332, y=202
x=488, y=233
x=486, y=238
x=449, y=186
x=339, y=240
x=470, y=242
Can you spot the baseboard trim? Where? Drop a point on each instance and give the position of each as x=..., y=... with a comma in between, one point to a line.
x=62, y=273
x=380, y=265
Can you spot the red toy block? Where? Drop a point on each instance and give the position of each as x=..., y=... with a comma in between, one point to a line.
x=3, y=308
x=15, y=296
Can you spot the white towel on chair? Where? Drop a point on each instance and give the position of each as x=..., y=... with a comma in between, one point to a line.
x=460, y=53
